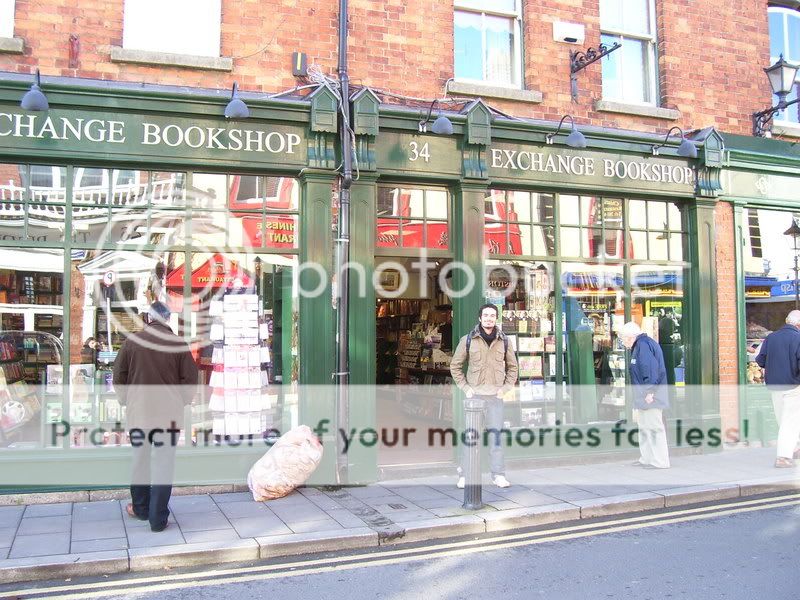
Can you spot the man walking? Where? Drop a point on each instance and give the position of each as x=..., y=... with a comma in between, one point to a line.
x=650, y=395
x=491, y=373
x=779, y=356
x=155, y=376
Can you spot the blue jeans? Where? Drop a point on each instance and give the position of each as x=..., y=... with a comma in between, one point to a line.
x=492, y=420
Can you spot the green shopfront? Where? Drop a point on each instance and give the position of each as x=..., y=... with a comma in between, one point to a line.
x=113, y=200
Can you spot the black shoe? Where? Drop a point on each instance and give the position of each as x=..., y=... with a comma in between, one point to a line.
x=160, y=528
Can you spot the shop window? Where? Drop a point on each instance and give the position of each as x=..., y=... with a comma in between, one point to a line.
x=6, y=18
x=488, y=46
x=176, y=26
x=413, y=218
x=784, y=38
x=629, y=73
x=31, y=329
x=754, y=231
x=509, y=228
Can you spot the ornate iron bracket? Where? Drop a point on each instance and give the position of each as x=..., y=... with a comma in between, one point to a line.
x=579, y=60
x=762, y=120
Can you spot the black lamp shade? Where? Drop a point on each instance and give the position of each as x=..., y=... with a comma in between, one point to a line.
x=687, y=149
x=34, y=99
x=442, y=126
x=236, y=108
x=575, y=139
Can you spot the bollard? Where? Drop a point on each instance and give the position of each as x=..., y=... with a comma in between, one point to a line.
x=473, y=430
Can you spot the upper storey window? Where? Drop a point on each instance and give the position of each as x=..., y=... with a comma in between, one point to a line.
x=629, y=73
x=6, y=18
x=488, y=47
x=173, y=26
x=784, y=38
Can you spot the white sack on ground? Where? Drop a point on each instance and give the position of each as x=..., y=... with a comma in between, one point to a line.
x=285, y=466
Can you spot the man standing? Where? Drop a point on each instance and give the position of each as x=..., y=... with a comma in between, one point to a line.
x=491, y=373
x=779, y=356
x=650, y=395
x=155, y=377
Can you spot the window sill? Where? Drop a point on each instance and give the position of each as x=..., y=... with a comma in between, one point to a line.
x=656, y=112
x=787, y=129
x=13, y=45
x=494, y=91
x=166, y=59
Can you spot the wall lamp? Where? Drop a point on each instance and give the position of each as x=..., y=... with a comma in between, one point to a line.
x=579, y=60
x=575, y=139
x=687, y=149
x=441, y=126
x=34, y=98
x=781, y=76
x=236, y=108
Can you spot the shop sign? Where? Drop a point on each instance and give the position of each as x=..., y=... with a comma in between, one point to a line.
x=418, y=153
x=151, y=136
x=550, y=164
x=783, y=288
x=757, y=294
x=109, y=277
x=747, y=184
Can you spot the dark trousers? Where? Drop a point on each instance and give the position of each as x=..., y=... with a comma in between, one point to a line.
x=151, y=481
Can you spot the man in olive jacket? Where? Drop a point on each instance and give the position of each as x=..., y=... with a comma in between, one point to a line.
x=155, y=376
x=491, y=373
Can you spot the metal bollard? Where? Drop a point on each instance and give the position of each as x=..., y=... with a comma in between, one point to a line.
x=473, y=430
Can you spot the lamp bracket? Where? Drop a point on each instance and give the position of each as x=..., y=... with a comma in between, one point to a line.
x=762, y=120
x=579, y=60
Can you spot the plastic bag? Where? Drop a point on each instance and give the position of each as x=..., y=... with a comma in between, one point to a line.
x=285, y=466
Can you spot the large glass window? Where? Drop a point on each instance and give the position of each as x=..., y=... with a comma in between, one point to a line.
x=413, y=218
x=629, y=73
x=488, y=42
x=784, y=39
x=618, y=259
x=6, y=18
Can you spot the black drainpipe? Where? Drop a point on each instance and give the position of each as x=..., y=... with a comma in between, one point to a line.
x=342, y=374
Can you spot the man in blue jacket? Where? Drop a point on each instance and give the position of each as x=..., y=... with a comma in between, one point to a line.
x=779, y=356
x=650, y=395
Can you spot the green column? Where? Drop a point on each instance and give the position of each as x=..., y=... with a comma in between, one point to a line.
x=466, y=230
x=317, y=319
x=702, y=361
x=363, y=198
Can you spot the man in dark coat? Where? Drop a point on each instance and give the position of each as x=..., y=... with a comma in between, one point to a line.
x=155, y=377
x=779, y=356
x=650, y=395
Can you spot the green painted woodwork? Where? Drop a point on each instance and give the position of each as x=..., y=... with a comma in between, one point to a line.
x=324, y=110
x=418, y=153
x=713, y=155
x=479, y=123
x=363, y=198
x=762, y=187
x=365, y=112
x=323, y=149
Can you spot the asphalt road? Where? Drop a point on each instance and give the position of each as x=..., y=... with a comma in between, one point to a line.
x=747, y=556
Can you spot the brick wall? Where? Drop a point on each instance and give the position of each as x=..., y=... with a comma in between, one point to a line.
x=406, y=47
x=726, y=315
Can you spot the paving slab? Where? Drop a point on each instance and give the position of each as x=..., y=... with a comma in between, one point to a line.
x=63, y=565
x=39, y=545
x=216, y=535
x=144, y=538
x=346, y=519
x=99, y=545
x=315, y=526
x=699, y=493
x=232, y=497
x=97, y=530
x=202, y=521
x=191, y=504
x=240, y=510
x=184, y=555
x=289, y=545
x=103, y=510
x=37, y=525
x=4, y=553
x=11, y=515
x=7, y=536
x=49, y=510
x=531, y=516
x=258, y=526
x=429, y=529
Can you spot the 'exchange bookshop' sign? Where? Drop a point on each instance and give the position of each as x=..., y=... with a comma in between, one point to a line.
x=561, y=165
x=153, y=136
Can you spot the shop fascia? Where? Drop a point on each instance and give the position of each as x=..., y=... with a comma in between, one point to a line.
x=565, y=163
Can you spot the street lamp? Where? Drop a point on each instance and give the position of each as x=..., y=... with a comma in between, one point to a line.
x=794, y=231
x=781, y=76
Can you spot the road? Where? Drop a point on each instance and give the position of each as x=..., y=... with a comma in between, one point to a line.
x=737, y=551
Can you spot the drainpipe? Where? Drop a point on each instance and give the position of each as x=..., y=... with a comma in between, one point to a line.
x=342, y=374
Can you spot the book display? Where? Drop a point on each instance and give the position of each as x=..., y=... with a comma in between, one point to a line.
x=19, y=403
x=240, y=358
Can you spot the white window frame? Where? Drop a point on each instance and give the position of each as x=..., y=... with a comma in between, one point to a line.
x=652, y=73
x=786, y=13
x=488, y=10
x=7, y=8
x=190, y=27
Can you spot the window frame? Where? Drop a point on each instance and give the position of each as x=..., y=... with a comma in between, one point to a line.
x=137, y=37
x=651, y=73
x=515, y=16
x=786, y=12
x=7, y=9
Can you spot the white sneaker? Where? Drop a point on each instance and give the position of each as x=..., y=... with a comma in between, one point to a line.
x=461, y=483
x=501, y=481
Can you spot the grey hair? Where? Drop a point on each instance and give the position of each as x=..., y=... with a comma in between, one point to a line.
x=630, y=329
x=793, y=318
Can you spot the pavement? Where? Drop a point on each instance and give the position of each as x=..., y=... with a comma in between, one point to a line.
x=73, y=534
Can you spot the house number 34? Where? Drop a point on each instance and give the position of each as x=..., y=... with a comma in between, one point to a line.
x=417, y=152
